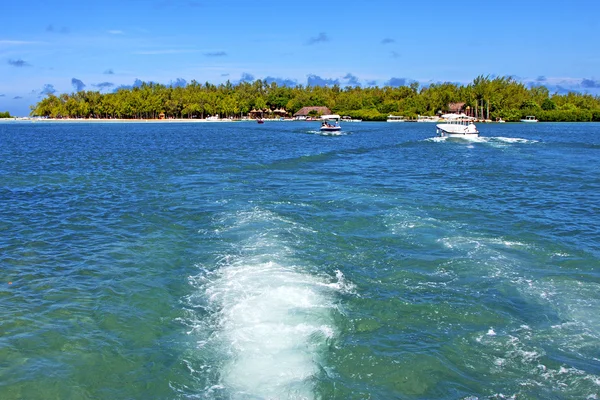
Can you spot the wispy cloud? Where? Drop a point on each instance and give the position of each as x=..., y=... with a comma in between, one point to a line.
x=590, y=83
x=103, y=85
x=315, y=80
x=115, y=32
x=563, y=85
x=372, y=83
x=17, y=42
x=136, y=83
x=224, y=75
x=321, y=38
x=352, y=80
x=396, y=82
x=395, y=54
x=48, y=89
x=109, y=72
x=77, y=84
x=215, y=54
x=246, y=77
x=179, y=82
x=560, y=89
x=17, y=97
x=387, y=41
x=18, y=63
x=64, y=30
x=281, y=81
x=2, y=95
x=164, y=51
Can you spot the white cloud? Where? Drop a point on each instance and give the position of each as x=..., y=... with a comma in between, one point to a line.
x=164, y=51
x=115, y=32
x=17, y=42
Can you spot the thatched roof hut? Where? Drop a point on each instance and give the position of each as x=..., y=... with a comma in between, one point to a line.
x=304, y=111
x=456, y=108
x=256, y=113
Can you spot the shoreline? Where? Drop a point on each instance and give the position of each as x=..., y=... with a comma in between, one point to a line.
x=197, y=121
x=116, y=120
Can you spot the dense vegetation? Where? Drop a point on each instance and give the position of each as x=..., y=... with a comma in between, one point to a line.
x=5, y=114
x=502, y=97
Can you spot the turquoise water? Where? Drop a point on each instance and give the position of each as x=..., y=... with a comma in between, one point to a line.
x=246, y=261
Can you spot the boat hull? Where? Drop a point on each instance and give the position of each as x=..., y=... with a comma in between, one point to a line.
x=331, y=129
x=457, y=131
x=459, y=135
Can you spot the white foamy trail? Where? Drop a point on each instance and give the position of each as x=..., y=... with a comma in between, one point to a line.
x=273, y=319
x=484, y=139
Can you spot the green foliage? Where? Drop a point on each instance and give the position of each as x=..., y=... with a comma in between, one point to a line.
x=548, y=105
x=529, y=104
x=503, y=96
x=568, y=116
x=5, y=114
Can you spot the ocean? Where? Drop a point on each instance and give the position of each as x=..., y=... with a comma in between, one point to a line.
x=246, y=261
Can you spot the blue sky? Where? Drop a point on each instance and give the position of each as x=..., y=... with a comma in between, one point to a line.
x=62, y=46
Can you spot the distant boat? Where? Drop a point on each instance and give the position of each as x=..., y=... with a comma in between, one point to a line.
x=457, y=126
x=529, y=118
x=427, y=118
x=260, y=121
x=215, y=118
x=500, y=121
x=395, y=118
x=346, y=118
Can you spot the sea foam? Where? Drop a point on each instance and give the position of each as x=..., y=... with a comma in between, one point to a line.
x=271, y=318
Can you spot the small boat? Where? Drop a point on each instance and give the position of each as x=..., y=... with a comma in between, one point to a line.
x=457, y=126
x=529, y=118
x=330, y=123
x=328, y=126
x=427, y=118
x=215, y=118
x=260, y=121
x=346, y=118
x=395, y=118
x=500, y=121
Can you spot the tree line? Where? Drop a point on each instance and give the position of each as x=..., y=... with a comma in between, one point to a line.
x=498, y=97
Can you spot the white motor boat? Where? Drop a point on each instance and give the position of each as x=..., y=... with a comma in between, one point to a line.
x=457, y=126
x=395, y=118
x=329, y=126
x=215, y=118
x=427, y=118
x=529, y=118
x=330, y=123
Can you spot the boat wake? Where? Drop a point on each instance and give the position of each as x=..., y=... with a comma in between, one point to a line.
x=265, y=321
x=513, y=140
x=499, y=140
x=327, y=133
x=441, y=139
x=545, y=334
x=560, y=311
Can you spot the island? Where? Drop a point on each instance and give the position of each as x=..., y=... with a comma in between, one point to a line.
x=487, y=99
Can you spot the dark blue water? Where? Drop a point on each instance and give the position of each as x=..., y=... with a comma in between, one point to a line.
x=246, y=261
